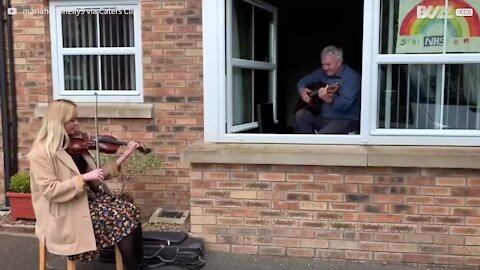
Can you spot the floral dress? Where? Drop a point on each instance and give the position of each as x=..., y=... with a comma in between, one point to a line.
x=112, y=219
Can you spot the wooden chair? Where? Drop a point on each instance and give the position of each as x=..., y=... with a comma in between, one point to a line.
x=71, y=263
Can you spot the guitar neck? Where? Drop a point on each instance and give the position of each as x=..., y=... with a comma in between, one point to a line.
x=314, y=93
x=329, y=91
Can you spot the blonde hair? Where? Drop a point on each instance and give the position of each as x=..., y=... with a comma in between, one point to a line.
x=52, y=133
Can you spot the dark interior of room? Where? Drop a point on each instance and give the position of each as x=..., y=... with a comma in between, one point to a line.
x=305, y=27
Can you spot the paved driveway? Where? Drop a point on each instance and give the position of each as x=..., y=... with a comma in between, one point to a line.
x=20, y=251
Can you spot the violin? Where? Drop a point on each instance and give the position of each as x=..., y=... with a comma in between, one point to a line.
x=81, y=142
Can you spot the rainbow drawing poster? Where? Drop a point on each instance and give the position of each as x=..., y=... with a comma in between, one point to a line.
x=422, y=29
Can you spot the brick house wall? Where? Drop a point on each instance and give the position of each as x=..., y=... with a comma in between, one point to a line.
x=172, y=64
x=407, y=215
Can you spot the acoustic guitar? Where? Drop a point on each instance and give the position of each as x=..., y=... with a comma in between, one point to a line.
x=331, y=90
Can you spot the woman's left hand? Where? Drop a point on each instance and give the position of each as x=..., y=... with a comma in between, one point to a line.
x=131, y=147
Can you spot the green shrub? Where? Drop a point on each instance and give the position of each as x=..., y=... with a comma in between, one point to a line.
x=136, y=165
x=20, y=182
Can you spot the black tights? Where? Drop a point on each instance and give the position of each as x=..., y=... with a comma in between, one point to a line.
x=131, y=248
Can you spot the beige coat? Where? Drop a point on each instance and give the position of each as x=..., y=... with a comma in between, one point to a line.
x=60, y=201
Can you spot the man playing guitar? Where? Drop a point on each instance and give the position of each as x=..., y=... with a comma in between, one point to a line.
x=339, y=109
x=313, y=95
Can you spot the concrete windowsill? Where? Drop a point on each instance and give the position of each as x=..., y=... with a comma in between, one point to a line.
x=334, y=155
x=107, y=110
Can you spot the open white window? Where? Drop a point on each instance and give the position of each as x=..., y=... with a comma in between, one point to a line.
x=96, y=47
x=251, y=61
x=254, y=54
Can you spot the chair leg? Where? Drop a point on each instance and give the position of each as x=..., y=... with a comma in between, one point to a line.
x=42, y=253
x=118, y=258
x=71, y=265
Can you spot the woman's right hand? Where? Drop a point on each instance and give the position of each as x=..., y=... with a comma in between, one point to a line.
x=96, y=174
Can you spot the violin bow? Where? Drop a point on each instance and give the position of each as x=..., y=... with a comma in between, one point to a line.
x=96, y=131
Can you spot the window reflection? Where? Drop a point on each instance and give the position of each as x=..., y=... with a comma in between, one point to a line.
x=414, y=97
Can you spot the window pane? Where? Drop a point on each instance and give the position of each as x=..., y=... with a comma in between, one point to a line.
x=81, y=72
x=118, y=72
x=79, y=31
x=242, y=30
x=116, y=30
x=401, y=89
x=463, y=34
x=462, y=96
x=242, y=96
x=263, y=22
x=413, y=97
x=411, y=26
x=261, y=86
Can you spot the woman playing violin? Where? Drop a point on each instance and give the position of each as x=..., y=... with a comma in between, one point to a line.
x=77, y=214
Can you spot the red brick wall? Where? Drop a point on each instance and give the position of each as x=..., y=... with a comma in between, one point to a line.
x=172, y=57
x=377, y=214
x=32, y=70
x=32, y=74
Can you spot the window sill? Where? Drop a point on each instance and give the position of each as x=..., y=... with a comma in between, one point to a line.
x=335, y=155
x=107, y=110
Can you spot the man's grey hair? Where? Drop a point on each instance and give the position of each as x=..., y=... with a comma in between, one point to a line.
x=332, y=50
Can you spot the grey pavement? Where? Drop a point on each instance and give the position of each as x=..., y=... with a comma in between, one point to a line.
x=20, y=251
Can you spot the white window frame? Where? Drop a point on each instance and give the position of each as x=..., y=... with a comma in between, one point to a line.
x=56, y=8
x=215, y=106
